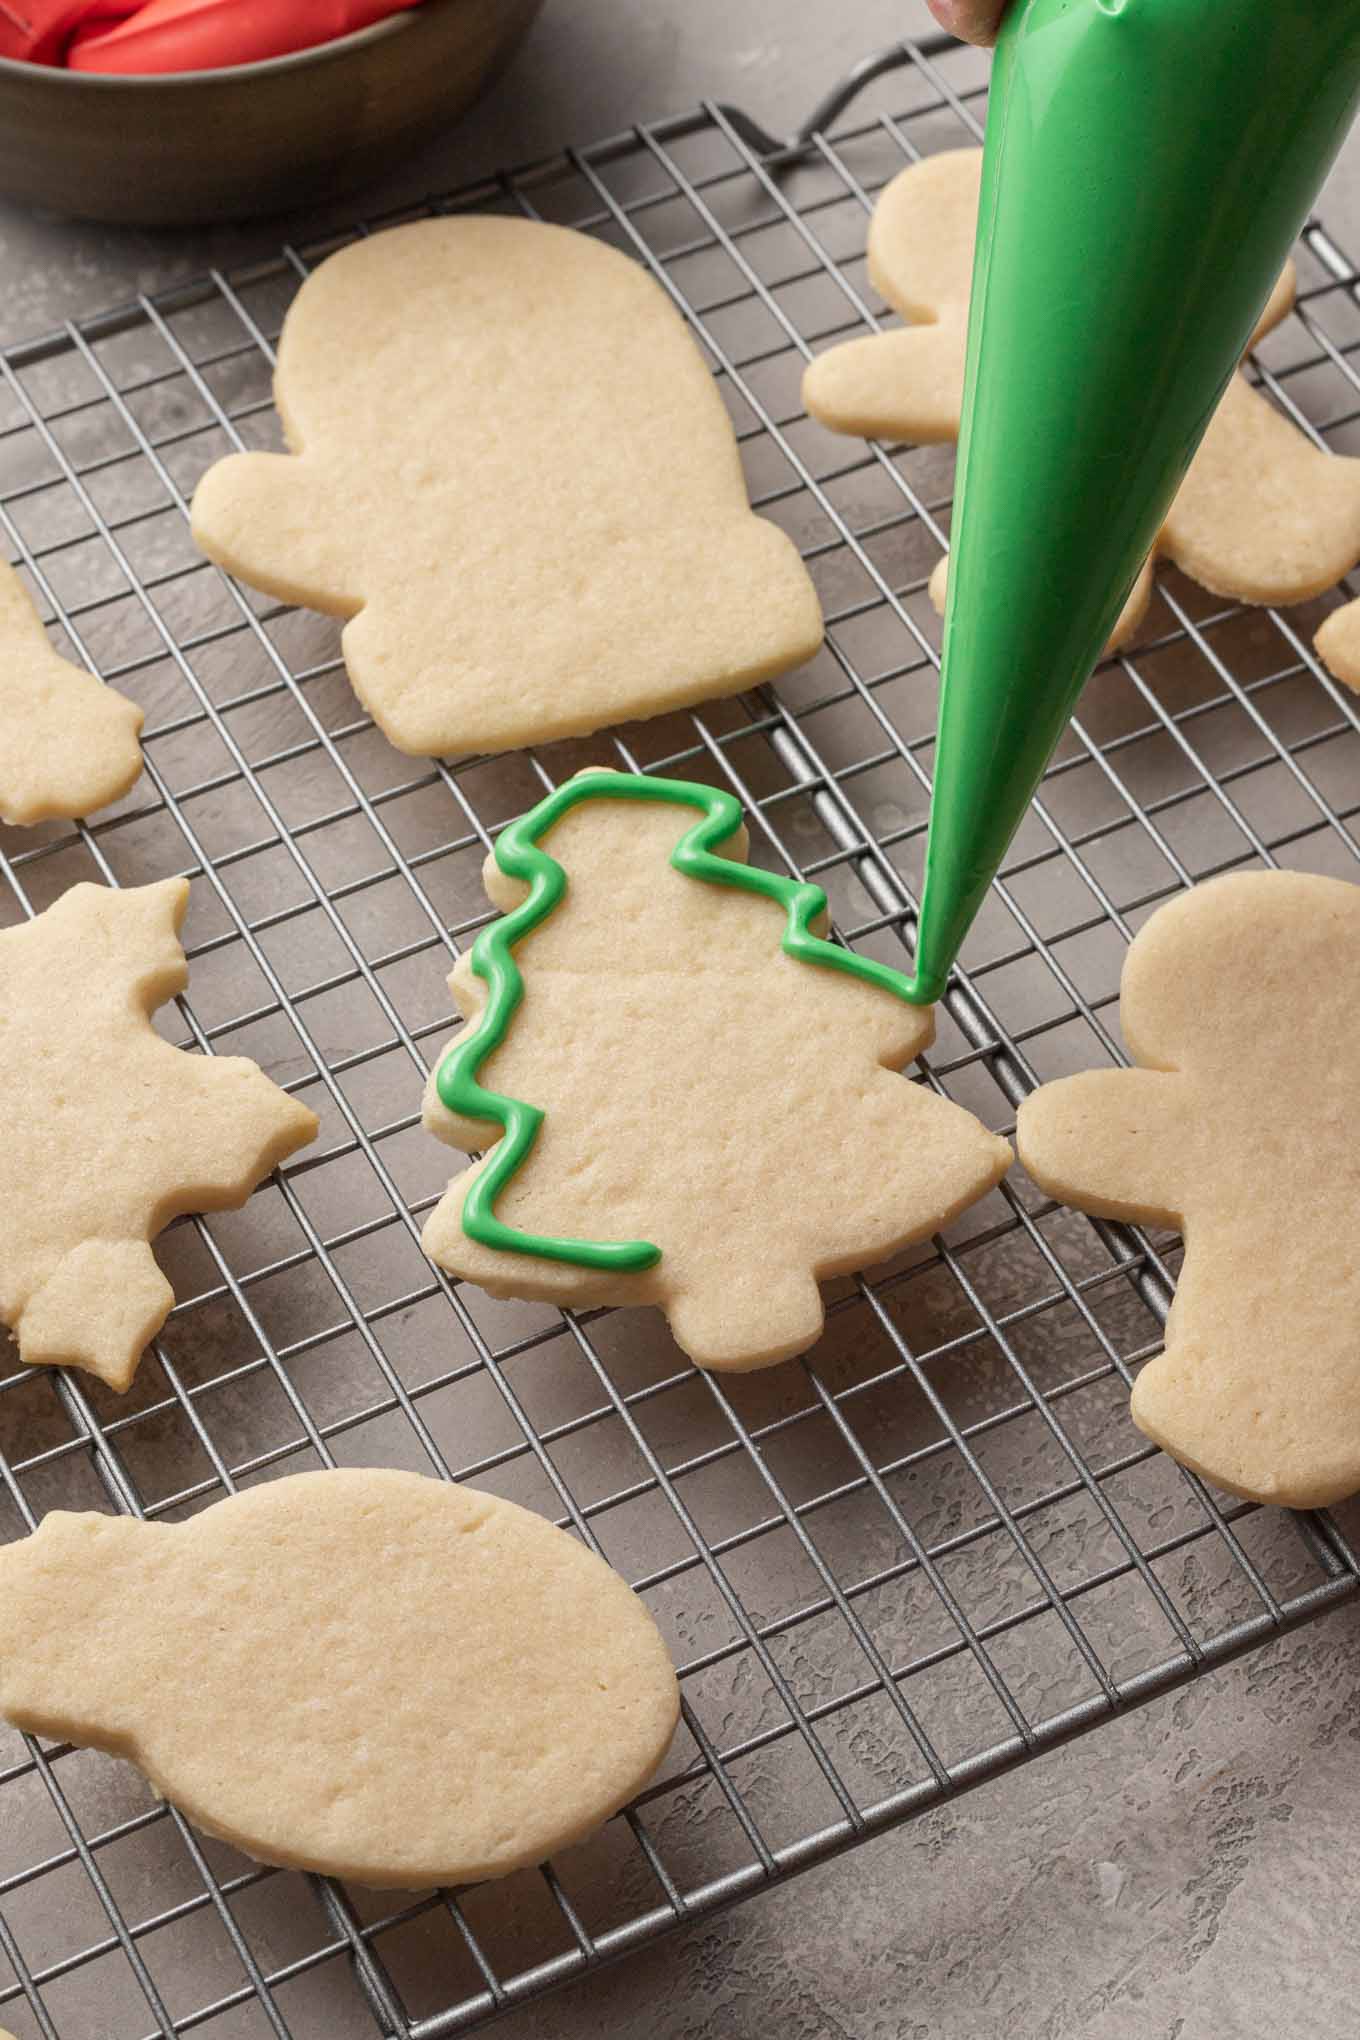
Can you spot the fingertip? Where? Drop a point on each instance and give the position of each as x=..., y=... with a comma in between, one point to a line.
x=974, y=21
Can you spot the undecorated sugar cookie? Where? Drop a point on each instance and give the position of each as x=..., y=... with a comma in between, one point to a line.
x=68, y=743
x=1337, y=642
x=1238, y=1002
x=1262, y=515
x=109, y=1131
x=907, y=383
x=512, y=471
x=696, y=1103
x=363, y=1673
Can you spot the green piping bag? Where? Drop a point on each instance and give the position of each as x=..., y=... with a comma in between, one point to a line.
x=1148, y=165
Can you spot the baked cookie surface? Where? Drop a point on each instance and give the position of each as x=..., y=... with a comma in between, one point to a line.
x=1239, y=1128
x=1263, y=515
x=513, y=472
x=110, y=1132
x=711, y=1091
x=366, y=1673
x=68, y=743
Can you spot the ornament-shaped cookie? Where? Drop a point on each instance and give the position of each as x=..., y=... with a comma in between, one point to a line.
x=689, y=1099
x=512, y=471
x=1262, y=515
x=1239, y=1127
x=110, y=1132
x=363, y=1673
x=68, y=743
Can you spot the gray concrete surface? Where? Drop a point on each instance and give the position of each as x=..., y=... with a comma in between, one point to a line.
x=1188, y=1873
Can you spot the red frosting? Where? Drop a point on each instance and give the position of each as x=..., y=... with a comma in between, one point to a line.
x=132, y=36
x=41, y=29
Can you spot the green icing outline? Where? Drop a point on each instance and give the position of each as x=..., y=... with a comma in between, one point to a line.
x=519, y=855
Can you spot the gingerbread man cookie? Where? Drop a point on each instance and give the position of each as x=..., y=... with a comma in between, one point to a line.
x=512, y=471
x=1262, y=515
x=109, y=1131
x=1239, y=1127
x=364, y=1673
x=68, y=743
x=693, y=1099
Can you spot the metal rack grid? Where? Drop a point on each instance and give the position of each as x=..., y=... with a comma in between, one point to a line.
x=933, y=1548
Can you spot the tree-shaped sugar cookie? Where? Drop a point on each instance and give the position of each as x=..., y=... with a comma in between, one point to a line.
x=692, y=1097
x=364, y=1673
x=68, y=743
x=512, y=470
x=110, y=1132
x=1262, y=516
x=1239, y=1127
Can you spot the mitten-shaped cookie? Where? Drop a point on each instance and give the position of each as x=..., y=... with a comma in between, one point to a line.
x=512, y=471
x=364, y=1673
x=693, y=1099
x=1262, y=516
x=110, y=1132
x=1239, y=1127
x=68, y=743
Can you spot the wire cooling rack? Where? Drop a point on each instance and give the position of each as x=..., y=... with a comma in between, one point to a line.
x=933, y=1548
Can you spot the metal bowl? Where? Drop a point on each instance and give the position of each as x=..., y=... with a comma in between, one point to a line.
x=220, y=145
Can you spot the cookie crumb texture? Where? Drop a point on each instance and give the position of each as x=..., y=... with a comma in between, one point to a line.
x=68, y=743
x=110, y=1132
x=1239, y=1128
x=703, y=1091
x=513, y=471
x=1262, y=516
x=365, y=1673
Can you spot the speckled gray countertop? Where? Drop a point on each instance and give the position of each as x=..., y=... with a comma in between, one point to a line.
x=1191, y=1871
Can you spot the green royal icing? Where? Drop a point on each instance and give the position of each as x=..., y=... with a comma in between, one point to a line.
x=520, y=855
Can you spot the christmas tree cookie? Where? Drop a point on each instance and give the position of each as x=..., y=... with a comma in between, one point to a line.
x=68, y=743
x=689, y=1098
x=109, y=1131
x=1262, y=516
x=1238, y=1127
x=513, y=472
x=363, y=1673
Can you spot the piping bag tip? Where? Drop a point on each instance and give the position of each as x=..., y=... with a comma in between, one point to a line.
x=1146, y=170
x=949, y=902
x=924, y=988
